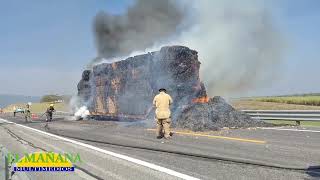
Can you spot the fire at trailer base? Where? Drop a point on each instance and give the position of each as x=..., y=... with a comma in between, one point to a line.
x=124, y=90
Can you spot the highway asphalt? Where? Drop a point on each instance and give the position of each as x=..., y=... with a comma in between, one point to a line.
x=228, y=154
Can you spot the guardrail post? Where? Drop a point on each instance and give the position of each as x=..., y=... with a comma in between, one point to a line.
x=298, y=123
x=6, y=167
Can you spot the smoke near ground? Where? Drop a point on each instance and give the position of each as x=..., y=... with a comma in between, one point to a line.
x=238, y=43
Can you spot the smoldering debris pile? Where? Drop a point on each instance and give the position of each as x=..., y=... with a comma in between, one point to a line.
x=213, y=115
x=124, y=90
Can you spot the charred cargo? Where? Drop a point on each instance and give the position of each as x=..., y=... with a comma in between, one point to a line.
x=125, y=90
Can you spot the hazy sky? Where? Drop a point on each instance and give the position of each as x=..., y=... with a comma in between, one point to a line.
x=46, y=44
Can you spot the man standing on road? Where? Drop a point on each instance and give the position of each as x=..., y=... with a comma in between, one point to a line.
x=14, y=111
x=27, y=112
x=162, y=102
x=49, y=112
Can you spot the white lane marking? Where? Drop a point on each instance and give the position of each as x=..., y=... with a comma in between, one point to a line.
x=127, y=158
x=301, y=130
x=271, y=127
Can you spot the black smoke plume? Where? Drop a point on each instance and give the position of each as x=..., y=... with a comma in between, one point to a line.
x=144, y=23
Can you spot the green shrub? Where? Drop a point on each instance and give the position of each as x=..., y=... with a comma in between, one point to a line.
x=51, y=98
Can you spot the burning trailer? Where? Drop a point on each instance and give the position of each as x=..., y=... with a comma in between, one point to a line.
x=124, y=91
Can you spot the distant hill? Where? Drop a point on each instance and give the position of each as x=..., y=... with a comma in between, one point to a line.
x=6, y=100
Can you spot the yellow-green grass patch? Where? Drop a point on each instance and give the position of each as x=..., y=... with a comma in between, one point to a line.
x=38, y=107
x=302, y=100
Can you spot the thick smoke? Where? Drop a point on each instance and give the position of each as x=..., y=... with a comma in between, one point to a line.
x=237, y=42
x=145, y=23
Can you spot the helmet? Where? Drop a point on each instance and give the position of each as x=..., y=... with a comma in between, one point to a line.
x=162, y=89
x=51, y=105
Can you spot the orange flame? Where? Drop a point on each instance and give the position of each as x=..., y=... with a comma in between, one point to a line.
x=204, y=99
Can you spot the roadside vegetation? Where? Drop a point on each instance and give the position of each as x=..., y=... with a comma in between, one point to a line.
x=301, y=100
x=246, y=104
x=310, y=101
x=37, y=107
x=290, y=102
x=55, y=98
x=60, y=103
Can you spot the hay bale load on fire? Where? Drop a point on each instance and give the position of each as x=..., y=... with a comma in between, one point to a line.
x=125, y=89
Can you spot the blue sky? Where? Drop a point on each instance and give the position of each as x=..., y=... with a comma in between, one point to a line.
x=46, y=44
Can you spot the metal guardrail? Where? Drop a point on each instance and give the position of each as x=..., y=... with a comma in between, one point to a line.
x=286, y=115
